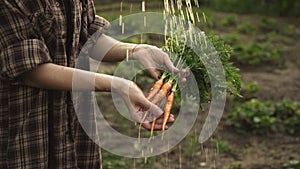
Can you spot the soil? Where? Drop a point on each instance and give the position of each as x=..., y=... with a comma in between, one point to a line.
x=247, y=150
x=271, y=150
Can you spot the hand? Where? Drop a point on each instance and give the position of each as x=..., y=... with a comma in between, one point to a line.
x=137, y=103
x=158, y=124
x=151, y=57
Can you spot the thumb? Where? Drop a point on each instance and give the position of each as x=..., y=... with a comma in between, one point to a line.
x=170, y=65
x=153, y=109
x=154, y=73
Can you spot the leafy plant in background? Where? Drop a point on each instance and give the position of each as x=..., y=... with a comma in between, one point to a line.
x=253, y=115
x=262, y=117
x=222, y=146
x=231, y=39
x=267, y=7
x=290, y=30
x=229, y=20
x=247, y=28
x=275, y=38
x=236, y=166
x=289, y=113
x=111, y=161
x=268, y=24
x=256, y=54
x=251, y=88
x=291, y=165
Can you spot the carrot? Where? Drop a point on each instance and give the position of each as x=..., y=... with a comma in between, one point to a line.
x=154, y=89
x=159, y=95
x=168, y=106
x=152, y=128
x=163, y=92
x=153, y=124
x=167, y=110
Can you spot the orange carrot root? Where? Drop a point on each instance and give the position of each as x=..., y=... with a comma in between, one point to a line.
x=155, y=88
x=152, y=128
x=163, y=92
x=167, y=110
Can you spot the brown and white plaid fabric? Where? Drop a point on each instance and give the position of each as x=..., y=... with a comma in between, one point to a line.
x=39, y=128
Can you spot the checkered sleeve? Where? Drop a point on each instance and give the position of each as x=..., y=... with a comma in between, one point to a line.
x=21, y=47
x=97, y=23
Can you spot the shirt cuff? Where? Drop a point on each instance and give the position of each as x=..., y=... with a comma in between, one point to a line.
x=21, y=57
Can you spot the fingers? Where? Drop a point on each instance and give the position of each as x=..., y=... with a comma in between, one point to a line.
x=170, y=64
x=154, y=73
x=160, y=120
x=157, y=127
x=155, y=110
x=148, y=106
x=158, y=123
x=184, y=73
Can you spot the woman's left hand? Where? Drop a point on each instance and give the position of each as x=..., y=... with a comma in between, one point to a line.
x=151, y=57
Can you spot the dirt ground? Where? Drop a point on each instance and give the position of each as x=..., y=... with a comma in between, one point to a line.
x=247, y=150
x=271, y=150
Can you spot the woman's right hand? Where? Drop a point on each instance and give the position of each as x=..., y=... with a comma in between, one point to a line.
x=137, y=103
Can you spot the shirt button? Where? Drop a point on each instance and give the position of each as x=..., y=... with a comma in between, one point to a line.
x=56, y=3
x=84, y=9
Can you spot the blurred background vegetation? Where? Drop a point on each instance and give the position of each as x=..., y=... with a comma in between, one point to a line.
x=260, y=130
x=265, y=7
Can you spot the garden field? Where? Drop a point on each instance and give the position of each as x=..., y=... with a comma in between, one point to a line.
x=260, y=130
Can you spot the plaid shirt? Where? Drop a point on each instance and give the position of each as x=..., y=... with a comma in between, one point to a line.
x=38, y=127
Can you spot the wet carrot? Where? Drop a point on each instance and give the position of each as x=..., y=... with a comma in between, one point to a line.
x=155, y=88
x=167, y=110
x=159, y=95
x=162, y=93
x=152, y=128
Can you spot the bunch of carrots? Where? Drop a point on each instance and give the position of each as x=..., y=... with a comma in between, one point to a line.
x=184, y=57
x=162, y=88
